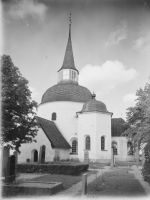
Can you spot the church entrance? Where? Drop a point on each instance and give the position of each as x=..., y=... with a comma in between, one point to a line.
x=35, y=156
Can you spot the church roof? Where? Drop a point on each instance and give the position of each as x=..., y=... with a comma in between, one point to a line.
x=67, y=92
x=68, y=62
x=94, y=105
x=117, y=127
x=53, y=134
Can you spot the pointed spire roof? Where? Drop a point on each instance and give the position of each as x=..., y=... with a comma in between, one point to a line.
x=68, y=62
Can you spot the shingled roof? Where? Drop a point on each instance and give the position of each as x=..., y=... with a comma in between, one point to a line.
x=68, y=62
x=117, y=127
x=66, y=92
x=94, y=105
x=53, y=134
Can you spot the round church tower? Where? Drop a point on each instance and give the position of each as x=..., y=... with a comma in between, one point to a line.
x=61, y=101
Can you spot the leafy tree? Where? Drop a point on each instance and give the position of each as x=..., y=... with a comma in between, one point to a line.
x=138, y=118
x=18, y=109
x=146, y=167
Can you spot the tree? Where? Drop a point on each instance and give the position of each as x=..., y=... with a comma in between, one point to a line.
x=18, y=109
x=138, y=118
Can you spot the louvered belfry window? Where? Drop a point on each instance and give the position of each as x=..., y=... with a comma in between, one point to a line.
x=102, y=143
x=53, y=116
x=87, y=143
x=74, y=146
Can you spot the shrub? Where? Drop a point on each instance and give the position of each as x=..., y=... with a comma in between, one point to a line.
x=28, y=160
x=67, y=169
x=146, y=166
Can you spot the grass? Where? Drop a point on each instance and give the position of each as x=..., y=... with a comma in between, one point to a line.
x=127, y=163
x=67, y=180
x=118, y=182
x=97, y=165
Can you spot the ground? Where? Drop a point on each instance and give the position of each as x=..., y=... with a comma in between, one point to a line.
x=103, y=181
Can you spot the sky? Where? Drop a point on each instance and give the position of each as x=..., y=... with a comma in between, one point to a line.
x=110, y=40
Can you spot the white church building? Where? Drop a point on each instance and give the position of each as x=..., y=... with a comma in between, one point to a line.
x=73, y=123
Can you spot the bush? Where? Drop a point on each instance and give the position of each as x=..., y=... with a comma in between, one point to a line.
x=67, y=169
x=146, y=166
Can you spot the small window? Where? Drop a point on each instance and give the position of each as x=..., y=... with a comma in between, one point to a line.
x=102, y=143
x=54, y=116
x=74, y=146
x=73, y=77
x=87, y=143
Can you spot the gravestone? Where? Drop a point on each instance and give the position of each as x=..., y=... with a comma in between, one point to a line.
x=5, y=156
x=16, y=157
x=11, y=169
x=86, y=156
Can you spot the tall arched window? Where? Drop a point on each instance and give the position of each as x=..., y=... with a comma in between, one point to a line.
x=114, y=146
x=102, y=143
x=74, y=147
x=53, y=116
x=130, y=148
x=87, y=143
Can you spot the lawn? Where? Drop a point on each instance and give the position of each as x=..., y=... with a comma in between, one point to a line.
x=97, y=165
x=67, y=180
x=118, y=182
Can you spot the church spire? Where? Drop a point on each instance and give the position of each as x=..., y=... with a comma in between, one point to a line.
x=68, y=62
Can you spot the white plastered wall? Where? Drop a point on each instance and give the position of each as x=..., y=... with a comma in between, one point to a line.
x=95, y=125
x=41, y=139
x=66, y=120
x=103, y=128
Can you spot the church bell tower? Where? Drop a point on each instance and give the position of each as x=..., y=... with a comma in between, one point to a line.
x=68, y=71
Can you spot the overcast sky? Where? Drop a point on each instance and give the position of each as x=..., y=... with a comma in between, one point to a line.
x=110, y=39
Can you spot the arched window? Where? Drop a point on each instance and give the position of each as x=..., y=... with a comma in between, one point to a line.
x=87, y=143
x=130, y=148
x=114, y=146
x=102, y=143
x=42, y=154
x=53, y=116
x=74, y=147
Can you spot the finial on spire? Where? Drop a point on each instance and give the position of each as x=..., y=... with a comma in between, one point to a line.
x=70, y=19
x=70, y=25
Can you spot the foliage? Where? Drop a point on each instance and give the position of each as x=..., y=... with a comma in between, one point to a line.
x=18, y=110
x=146, y=167
x=138, y=117
x=67, y=169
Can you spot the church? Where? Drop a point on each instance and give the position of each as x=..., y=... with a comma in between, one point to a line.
x=74, y=125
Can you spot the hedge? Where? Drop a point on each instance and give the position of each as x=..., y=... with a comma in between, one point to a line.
x=67, y=169
x=146, y=166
